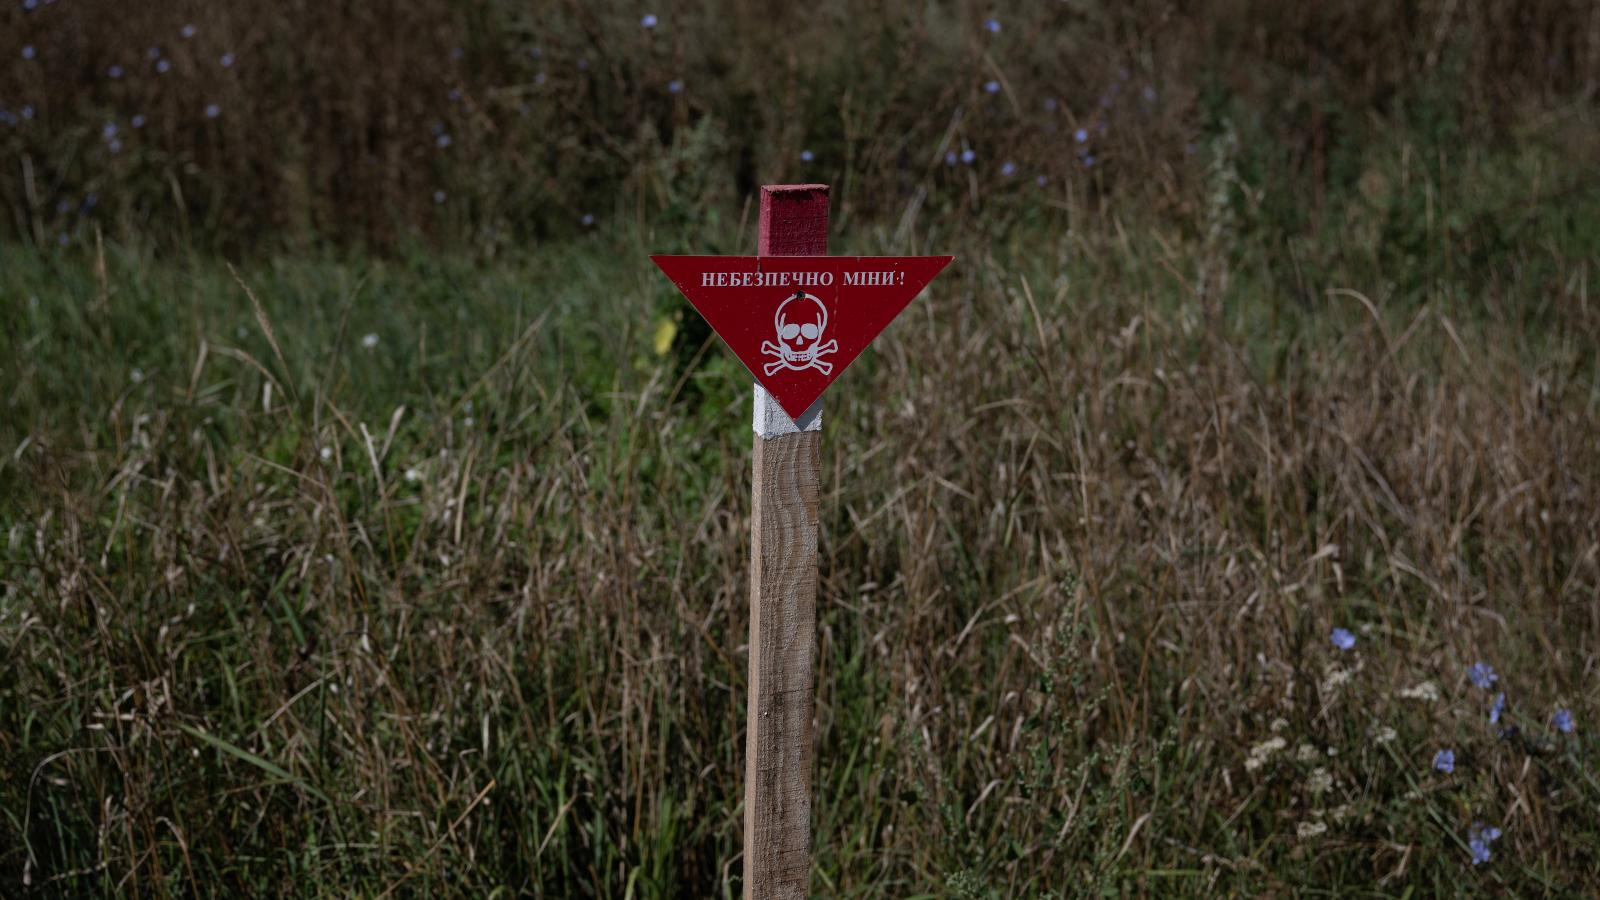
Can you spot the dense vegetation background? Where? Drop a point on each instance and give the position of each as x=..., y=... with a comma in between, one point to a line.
x=372, y=513
x=497, y=124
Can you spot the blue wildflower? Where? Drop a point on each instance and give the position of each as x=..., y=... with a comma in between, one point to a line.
x=967, y=156
x=1563, y=721
x=1088, y=161
x=455, y=95
x=437, y=127
x=226, y=61
x=1479, y=838
x=1081, y=135
x=1041, y=180
x=1051, y=104
x=187, y=31
x=806, y=156
x=1497, y=708
x=1481, y=674
x=109, y=130
x=115, y=146
x=1009, y=169
x=675, y=86
x=1343, y=639
x=162, y=66
x=1480, y=851
x=1105, y=101
x=992, y=25
x=30, y=5
x=587, y=220
x=213, y=110
x=649, y=21
x=950, y=158
x=114, y=71
x=27, y=111
x=153, y=53
x=1149, y=94
x=438, y=196
x=28, y=52
x=1445, y=761
x=991, y=87
x=137, y=121
x=443, y=141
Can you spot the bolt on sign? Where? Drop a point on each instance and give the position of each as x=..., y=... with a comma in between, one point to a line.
x=796, y=318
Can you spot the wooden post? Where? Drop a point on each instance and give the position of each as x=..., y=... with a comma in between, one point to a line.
x=795, y=343
x=783, y=596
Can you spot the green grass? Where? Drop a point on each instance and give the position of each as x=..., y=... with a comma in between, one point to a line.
x=462, y=613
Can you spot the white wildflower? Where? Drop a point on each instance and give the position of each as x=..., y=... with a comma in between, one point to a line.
x=1310, y=829
x=1427, y=692
x=1320, y=781
x=326, y=453
x=1306, y=753
x=369, y=341
x=1384, y=735
x=1260, y=753
x=1335, y=676
x=1269, y=747
x=413, y=474
x=1278, y=725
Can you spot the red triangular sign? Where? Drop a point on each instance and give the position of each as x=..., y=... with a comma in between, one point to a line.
x=796, y=322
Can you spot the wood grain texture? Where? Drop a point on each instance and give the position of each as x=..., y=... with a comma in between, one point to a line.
x=783, y=617
x=794, y=220
x=783, y=605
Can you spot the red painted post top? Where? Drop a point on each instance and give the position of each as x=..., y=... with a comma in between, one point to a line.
x=795, y=317
x=794, y=220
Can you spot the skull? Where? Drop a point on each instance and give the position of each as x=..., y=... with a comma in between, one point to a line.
x=800, y=322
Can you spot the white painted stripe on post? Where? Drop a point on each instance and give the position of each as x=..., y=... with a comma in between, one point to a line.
x=771, y=421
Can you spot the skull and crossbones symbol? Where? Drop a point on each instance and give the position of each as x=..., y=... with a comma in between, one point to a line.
x=800, y=323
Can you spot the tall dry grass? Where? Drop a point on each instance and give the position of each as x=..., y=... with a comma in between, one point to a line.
x=421, y=575
x=464, y=610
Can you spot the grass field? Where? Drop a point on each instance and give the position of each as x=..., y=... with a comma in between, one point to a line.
x=427, y=576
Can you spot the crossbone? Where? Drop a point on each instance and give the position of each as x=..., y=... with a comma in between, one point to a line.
x=798, y=361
